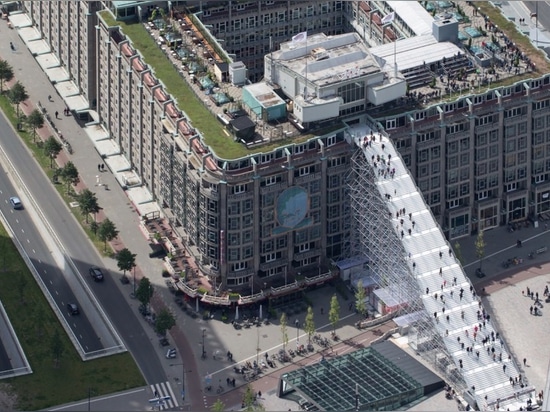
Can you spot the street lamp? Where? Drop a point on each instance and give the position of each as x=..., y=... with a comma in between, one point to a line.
x=134, y=274
x=183, y=372
x=297, y=323
x=203, y=356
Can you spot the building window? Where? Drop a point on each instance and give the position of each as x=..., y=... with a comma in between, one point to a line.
x=239, y=189
x=235, y=267
x=299, y=149
x=303, y=171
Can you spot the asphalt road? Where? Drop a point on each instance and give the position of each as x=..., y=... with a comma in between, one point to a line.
x=82, y=253
x=40, y=254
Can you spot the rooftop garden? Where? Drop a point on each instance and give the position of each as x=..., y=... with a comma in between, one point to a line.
x=215, y=136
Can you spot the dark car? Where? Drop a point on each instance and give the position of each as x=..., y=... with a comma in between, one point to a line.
x=73, y=309
x=96, y=273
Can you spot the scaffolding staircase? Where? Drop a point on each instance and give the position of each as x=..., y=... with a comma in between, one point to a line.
x=408, y=254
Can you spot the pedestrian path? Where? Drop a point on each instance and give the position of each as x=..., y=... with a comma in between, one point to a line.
x=469, y=348
x=160, y=391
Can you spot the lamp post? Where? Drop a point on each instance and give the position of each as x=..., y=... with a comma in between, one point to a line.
x=203, y=356
x=183, y=372
x=134, y=274
x=297, y=323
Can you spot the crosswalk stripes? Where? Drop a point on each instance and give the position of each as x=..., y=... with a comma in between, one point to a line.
x=160, y=390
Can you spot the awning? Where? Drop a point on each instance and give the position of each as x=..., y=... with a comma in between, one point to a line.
x=168, y=125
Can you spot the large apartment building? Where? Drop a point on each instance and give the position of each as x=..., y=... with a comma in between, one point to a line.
x=278, y=211
x=270, y=214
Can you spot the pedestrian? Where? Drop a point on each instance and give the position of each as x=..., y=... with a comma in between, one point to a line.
x=49, y=97
x=524, y=361
x=531, y=310
x=56, y=114
x=98, y=167
x=259, y=394
x=103, y=167
x=322, y=311
x=440, y=255
x=12, y=47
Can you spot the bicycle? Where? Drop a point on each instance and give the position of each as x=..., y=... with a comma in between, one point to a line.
x=220, y=389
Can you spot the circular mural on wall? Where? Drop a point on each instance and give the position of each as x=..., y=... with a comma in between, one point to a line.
x=292, y=207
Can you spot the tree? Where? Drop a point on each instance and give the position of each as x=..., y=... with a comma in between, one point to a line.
x=6, y=73
x=126, y=260
x=144, y=292
x=164, y=322
x=480, y=247
x=52, y=148
x=69, y=174
x=218, y=406
x=309, y=324
x=107, y=231
x=249, y=401
x=94, y=226
x=87, y=202
x=360, y=296
x=158, y=13
x=334, y=312
x=284, y=330
x=35, y=120
x=458, y=252
x=18, y=94
x=57, y=347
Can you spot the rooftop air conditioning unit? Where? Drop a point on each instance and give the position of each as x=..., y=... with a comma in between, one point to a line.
x=319, y=53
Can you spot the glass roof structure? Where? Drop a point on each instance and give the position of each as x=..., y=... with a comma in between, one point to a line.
x=361, y=380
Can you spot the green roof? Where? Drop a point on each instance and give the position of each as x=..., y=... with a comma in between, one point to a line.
x=214, y=134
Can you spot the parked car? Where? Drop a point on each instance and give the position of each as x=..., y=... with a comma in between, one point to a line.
x=73, y=309
x=16, y=202
x=96, y=273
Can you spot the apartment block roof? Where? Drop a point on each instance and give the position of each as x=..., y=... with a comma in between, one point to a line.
x=327, y=59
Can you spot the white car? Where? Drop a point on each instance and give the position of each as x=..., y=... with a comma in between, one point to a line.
x=16, y=202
